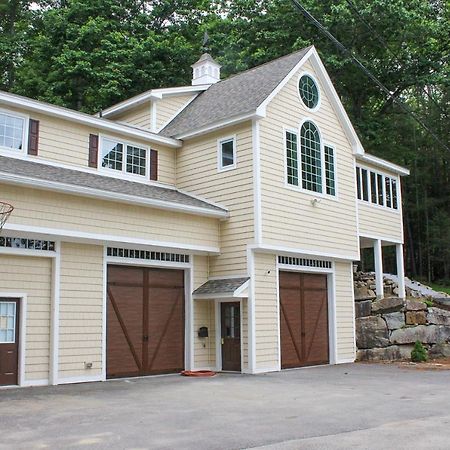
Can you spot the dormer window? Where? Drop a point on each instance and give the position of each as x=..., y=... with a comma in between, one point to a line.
x=308, y=91
x=226, y=153
x=123, y=157
x=12, y=131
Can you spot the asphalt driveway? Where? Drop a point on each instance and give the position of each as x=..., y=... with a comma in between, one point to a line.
x=331, y=407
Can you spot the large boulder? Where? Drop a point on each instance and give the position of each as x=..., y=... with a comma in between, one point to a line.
x=425, y=334
x=440, y=351
x=394, y=320
x=363, y=293
x=391, y=353
x=416, y=318
x=387, y=305
x=371, y=332
x=414, y=305
x=437, y=316
x=363, y=309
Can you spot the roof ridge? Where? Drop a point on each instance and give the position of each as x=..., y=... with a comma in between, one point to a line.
x=265, y=64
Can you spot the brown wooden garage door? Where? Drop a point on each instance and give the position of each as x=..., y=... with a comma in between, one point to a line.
x=303, y=319
x=145, y=321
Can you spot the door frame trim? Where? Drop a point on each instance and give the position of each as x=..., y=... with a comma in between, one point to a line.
x=188, y=269
x=22, y=297
x=331, y=301
x=218, y=326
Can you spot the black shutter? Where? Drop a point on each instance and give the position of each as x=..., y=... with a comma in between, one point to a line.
x=153, y=165
x=33, y=137
x=93, y=150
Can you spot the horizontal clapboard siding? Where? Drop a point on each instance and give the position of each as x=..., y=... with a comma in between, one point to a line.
x=288, y=217
x=139, y=116
x=80, y=332
x=344, y=311
x=34, y=207
x=168, y=106
x=197, y=173
x=33, y=277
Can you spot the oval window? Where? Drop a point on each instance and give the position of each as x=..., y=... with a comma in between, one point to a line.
x=309, y=93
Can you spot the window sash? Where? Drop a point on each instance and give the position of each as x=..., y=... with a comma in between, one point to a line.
x=291, y=140
x=7, y=322
x=330, y=177
x=227, y=153
x=124, y=157
x=12, y=132
x=311, y=158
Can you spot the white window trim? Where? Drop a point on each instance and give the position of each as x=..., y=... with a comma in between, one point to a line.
x=385, y=175
x=309, y=74
x=299, y=188
x=24, y=151
x=220, y=141
x=124, y=174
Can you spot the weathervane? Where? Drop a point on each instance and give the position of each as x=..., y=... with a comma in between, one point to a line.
x=205, y=41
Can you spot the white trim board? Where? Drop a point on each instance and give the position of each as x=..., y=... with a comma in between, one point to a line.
x=83, y=191
x=109, y=240
x=17, y=101
x=153, y=94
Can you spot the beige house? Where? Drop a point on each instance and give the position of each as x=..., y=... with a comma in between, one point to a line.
x=211, y=226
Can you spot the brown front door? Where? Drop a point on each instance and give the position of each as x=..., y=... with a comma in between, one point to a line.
x=303, y=319
x=231, y=336
x=145, y=321
x=9, y=341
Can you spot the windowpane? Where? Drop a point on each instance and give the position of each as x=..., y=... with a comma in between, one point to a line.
x=308, y=91
x=311, y=159
x=227, y=152
x=11, y=131
x=329, y=171
x=136, y=160
x=373, y=187
x=380, y=190
x=112, y=154
x=358, y=182
x=394, y=195
x=292, y=158
x=388, y=192
x=365, y=185
x=7, y=322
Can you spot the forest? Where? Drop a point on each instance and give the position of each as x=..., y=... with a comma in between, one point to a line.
x=89, y=54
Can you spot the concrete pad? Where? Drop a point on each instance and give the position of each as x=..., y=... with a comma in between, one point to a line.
x=332, y=407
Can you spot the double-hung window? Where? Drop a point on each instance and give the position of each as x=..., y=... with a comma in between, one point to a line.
x=124, y=157
x=313, y=165
x=12, y=131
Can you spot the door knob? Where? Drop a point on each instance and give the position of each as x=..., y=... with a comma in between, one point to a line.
x=145, y=338
x=223, y=341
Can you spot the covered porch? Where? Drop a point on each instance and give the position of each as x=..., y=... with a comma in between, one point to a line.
x=378, y=247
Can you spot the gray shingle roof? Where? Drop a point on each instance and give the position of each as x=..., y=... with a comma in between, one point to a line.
x=240, y=94
x=222, y=286
x=45, y=172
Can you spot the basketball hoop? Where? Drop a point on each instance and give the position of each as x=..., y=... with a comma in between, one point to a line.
x=5, y=211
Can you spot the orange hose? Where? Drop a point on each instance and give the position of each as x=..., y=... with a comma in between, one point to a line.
x=198, y=373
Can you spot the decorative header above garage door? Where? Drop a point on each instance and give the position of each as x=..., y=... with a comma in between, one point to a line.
x=304, y=262
x=129, y=253
x=27, y=244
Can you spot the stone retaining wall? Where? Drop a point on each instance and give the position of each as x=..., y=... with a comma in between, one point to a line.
x=387, y=329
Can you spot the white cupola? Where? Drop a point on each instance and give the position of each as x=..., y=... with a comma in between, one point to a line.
x=205, y=70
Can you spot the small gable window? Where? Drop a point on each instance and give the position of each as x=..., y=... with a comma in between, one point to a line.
x=226, y=153
x=123, y=157
x=12, y=131
x=309, y=92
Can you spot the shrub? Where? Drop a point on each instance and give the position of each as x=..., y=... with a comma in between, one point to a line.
x=419, y=352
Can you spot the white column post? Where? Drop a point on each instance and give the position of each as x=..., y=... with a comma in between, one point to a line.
x=400, y=270
x=378, y=257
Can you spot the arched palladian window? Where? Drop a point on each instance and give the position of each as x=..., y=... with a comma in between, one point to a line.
x=311, y=162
